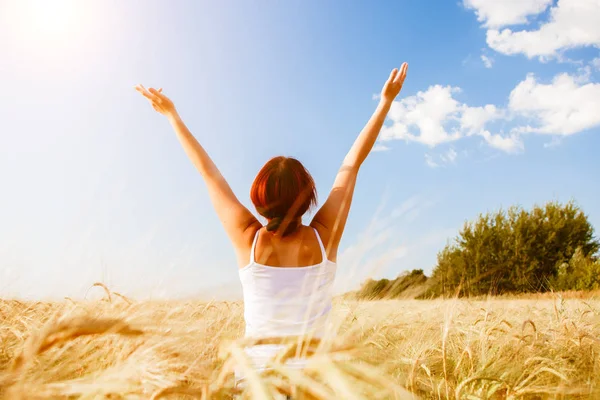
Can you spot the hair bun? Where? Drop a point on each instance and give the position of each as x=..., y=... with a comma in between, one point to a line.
x=274, y=224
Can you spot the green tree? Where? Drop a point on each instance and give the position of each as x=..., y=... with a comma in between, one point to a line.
x=519, y=251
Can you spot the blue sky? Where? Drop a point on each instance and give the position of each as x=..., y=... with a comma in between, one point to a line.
x=500, y=107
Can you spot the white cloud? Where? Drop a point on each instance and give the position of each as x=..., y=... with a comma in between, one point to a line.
x=427, y=112
x=429, y=161
x=596, y=63
x=571, y=24
x=474, y=119
x=567, y=105
x=441, y=160
x=380, y=147
x=584, y=74
x=509, y=144
x=496, y=13
x=449, y=156
x=563, y=107
x=434, y=117
x=488, y=62
x=556, y=140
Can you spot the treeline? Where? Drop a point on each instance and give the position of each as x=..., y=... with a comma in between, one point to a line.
x=407, y=285
x=514, y=251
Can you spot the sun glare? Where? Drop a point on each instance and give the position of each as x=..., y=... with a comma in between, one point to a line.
x=52, y=16
x=45, y=19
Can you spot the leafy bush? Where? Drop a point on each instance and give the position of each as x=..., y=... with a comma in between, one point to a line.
x=550, y=247
x=580, y=273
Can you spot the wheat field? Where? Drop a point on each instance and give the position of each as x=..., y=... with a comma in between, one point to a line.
x=117, y=348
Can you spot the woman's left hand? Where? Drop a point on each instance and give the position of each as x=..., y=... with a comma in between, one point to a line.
x=392, y=87
x=158, y=100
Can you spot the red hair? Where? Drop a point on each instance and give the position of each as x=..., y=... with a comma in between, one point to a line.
x=282, y=192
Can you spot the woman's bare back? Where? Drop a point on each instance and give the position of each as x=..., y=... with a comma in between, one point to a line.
x=299, y=249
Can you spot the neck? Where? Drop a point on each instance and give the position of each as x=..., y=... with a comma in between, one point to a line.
x=283, y=226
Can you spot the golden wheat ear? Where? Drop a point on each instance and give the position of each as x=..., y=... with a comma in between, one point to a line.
x=57, y=333
x=106, y=290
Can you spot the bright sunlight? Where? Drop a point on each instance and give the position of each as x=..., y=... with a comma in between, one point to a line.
x=45, y=20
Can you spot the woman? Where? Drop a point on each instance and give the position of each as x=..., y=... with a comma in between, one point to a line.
x=286, y=268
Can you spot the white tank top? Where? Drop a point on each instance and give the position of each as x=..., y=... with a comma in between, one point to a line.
x=281, y=301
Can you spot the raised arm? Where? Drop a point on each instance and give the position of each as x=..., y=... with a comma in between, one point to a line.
x=331, y=218
x=239, y=223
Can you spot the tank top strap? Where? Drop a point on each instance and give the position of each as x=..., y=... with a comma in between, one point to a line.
x=323, y=252
x=253, y=246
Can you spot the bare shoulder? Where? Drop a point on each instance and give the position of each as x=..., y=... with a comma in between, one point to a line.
x=244, y=245
x=327, y=238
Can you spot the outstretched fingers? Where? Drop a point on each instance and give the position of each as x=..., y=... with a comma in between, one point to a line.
x=149, y=94
x=140, y=88
x=393, y=75
x=155, y=92
x=399, y=78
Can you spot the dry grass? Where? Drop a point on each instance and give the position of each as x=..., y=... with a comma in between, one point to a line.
x=456, y=349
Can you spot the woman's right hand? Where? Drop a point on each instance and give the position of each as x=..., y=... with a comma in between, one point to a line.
x=394, y=84
x=158, y=100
